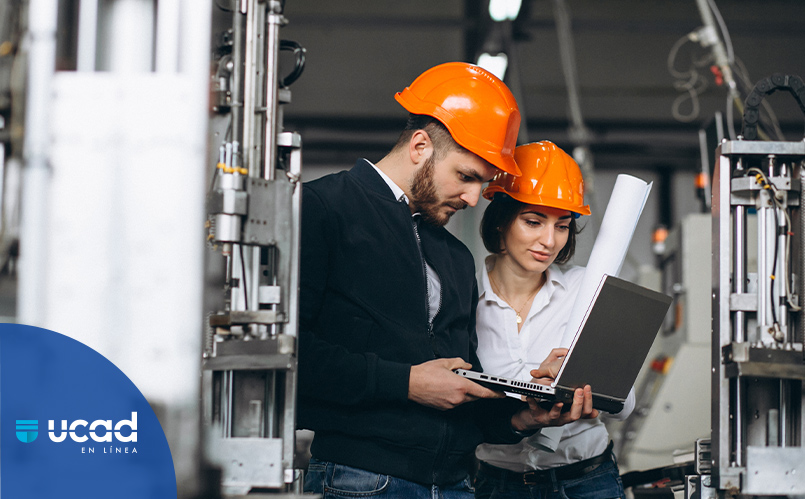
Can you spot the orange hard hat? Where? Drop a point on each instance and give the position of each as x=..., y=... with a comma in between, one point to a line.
x=477, y=108
x=550, y=178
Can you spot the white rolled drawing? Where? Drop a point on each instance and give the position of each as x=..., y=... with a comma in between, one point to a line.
x=609, y=251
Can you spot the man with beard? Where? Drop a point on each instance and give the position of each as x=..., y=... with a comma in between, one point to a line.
x=388, y=297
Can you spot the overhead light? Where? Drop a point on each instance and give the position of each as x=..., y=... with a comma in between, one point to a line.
x=495, y=64
x=504, y=10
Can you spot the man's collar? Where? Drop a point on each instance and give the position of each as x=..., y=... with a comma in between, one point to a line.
x=399, y=194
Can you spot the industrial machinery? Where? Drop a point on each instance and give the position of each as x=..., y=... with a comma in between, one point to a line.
x=254, y=219
x=758, y=366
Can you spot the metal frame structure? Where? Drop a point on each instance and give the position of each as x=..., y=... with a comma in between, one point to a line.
x=254, y=217
x=758, y=328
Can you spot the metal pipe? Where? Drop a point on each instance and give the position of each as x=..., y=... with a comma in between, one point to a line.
x=249, y=83
x=274, y=22
x=41, y=40
x=87, y=34
x=253, y=275
x=738, y=334
x=737, y=416
x=227, y=403
x=783, y=416
x=129, y=43
x=801, y=290
x=739, y=321
x=579, y=132
x=719, y=51
x=238, y=27
x=739, y=269
x=763, y=271
x=167, y=39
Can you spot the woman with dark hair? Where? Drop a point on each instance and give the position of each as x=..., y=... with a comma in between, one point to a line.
x=523, y=308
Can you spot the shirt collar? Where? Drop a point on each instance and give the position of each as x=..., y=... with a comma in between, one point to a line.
x=399, y=195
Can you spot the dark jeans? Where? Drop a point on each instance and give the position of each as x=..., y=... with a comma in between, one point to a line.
x=604, y=482
x=338, y=481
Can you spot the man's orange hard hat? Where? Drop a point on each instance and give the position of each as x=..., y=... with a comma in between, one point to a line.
x=477, y=108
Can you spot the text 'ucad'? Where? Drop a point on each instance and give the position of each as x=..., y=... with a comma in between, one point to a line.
x=100, y=430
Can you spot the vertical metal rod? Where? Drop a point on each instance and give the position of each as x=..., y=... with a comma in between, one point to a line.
x=739, y=269
x=739, y=322
x=737, y=415
x=801, y=283
x=762, y=271
x=227, y=403
x=238, y=27
x=783, y=419
x=128, y=46
x=271, y=82
x=87, y=34
x=249, y=83
x=41, y=39
x=722, y=422
x=271, y=407
x=253, y=275
x=167, y=43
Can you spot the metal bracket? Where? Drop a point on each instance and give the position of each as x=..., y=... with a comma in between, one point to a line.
x=250, y=462
x=265, y=224
x=743, y=302
x=775, y=471
x=247, y=317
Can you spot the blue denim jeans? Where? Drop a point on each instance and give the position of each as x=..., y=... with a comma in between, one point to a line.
x=603, y=482
x=339, y=481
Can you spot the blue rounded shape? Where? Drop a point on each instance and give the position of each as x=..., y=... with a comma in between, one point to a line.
x=27, y=436
x=99, y=436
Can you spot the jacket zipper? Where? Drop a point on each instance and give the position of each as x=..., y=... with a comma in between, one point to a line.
x=431, y=335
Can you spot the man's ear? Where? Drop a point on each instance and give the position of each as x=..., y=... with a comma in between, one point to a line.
x=420, y=147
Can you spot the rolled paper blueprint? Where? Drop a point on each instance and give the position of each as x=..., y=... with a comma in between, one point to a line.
x=609, y=251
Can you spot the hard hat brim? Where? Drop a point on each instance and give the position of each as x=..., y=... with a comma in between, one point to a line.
x=535, y=200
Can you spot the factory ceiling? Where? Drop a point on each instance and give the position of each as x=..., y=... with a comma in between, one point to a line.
x=359, y=53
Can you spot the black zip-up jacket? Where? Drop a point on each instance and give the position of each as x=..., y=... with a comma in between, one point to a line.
x=364, y=323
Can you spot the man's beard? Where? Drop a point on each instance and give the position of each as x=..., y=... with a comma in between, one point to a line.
x=425, y=200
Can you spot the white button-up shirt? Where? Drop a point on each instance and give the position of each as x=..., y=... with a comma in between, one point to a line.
x=504, y=351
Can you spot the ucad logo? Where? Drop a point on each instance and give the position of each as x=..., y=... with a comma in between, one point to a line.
x=27, y=430
x=81, y=430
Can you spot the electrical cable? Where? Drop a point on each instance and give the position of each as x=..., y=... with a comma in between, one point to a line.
x=690, y=81
x=773, y=267
x=724, y=32
x=740, y=84
x=730, y=118
x=672, y=57
x=769, y=119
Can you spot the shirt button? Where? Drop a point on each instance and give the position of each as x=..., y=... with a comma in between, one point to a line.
x=519, y=361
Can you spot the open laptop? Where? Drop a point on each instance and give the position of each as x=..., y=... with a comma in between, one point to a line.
x=607, y=352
